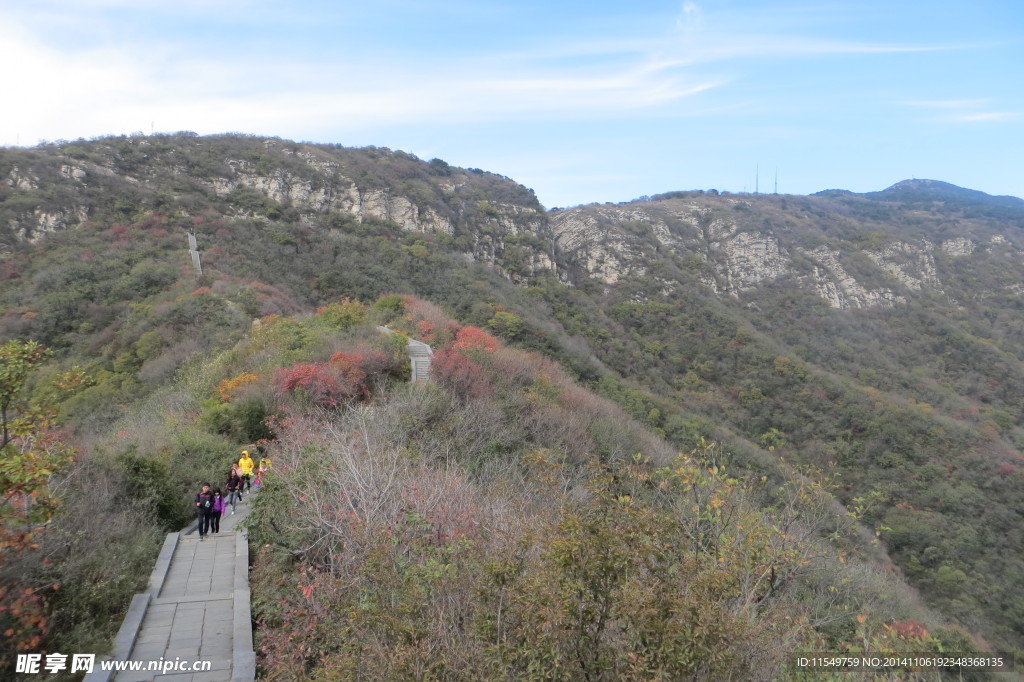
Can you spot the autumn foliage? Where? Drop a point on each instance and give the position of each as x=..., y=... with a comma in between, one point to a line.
x=341, y=380
x=460, y=374
x=473, y=339
x=31, y=452
x=227, y=388
x=316, y=383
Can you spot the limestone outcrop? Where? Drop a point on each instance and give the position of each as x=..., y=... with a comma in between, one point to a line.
x=613, y=243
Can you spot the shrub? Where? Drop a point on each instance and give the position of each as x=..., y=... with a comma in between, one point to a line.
x=460, y=375
x=148, y=486
x=393, y=303
x=474, y=338
x=244, y=421
x=344, y=314
x=312, y=382
x=227, y=388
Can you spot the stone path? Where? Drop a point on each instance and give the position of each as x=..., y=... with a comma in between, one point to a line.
x=197, y=609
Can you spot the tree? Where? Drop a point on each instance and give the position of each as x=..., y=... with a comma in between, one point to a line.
x=30, y=453
x=17, y=360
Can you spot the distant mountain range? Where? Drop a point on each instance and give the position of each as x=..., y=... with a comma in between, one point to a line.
x=935, y=190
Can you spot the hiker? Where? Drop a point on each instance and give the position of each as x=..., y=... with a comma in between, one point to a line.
x=204, y=509
x=245, y=466
x=261, y=472
x=218, y=511
x=234, y=487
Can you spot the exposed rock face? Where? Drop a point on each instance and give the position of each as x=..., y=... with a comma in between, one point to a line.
x=329, y=190
x=381, y=205
x=846, y=253
x=332, y=193
x=17, y=180
x=492, y=219
x=834, y=284
x=515, y=238
x=961, y=246
x=44, y=222
x=748, y=259
x=73, y=172
x=612, y=243
x=606, y=254
x=912, y=265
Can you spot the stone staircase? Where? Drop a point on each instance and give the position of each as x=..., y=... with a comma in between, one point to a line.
x=196, y=611
x=419, y=355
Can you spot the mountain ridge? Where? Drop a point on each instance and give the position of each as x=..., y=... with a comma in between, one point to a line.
x=876, y=337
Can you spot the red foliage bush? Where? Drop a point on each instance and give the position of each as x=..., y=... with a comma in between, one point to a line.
x=9, y=270
x=154, y=220
x=429, y=321
x=340, y=380
x=371, y=361
x=349, y=367
x=313, y=381
x=460, y=375
x=473, y=338
x=425, y=330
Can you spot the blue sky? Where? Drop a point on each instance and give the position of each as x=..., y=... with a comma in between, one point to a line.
x=581, y=101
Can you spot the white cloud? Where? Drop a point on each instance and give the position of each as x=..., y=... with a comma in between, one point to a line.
x=968, y=110
x=951, y=103
x=65, y=93
x=59, y=90
x=986, y=116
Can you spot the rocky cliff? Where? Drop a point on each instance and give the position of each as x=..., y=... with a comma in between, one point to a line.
x=736, y=245
x=853, y=251
x=64, y=185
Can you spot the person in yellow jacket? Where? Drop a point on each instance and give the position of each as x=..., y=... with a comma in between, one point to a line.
x=245, y=467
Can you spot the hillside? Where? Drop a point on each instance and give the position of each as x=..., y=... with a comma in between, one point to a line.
x=867, y=346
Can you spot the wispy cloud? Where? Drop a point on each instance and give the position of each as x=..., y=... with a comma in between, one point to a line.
x=987, y=116
x=968, y=110
x=124, y=87
x=703, y=79
x=951, y=103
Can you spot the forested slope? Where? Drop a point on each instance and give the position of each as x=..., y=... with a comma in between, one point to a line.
x=862, y=354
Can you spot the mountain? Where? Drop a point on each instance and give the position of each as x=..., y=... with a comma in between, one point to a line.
x=868, y=344
x=919, y=191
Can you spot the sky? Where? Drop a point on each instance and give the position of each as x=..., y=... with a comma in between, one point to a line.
x=583, y=102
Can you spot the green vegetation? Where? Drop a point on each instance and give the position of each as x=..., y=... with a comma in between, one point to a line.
x=535, y=505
